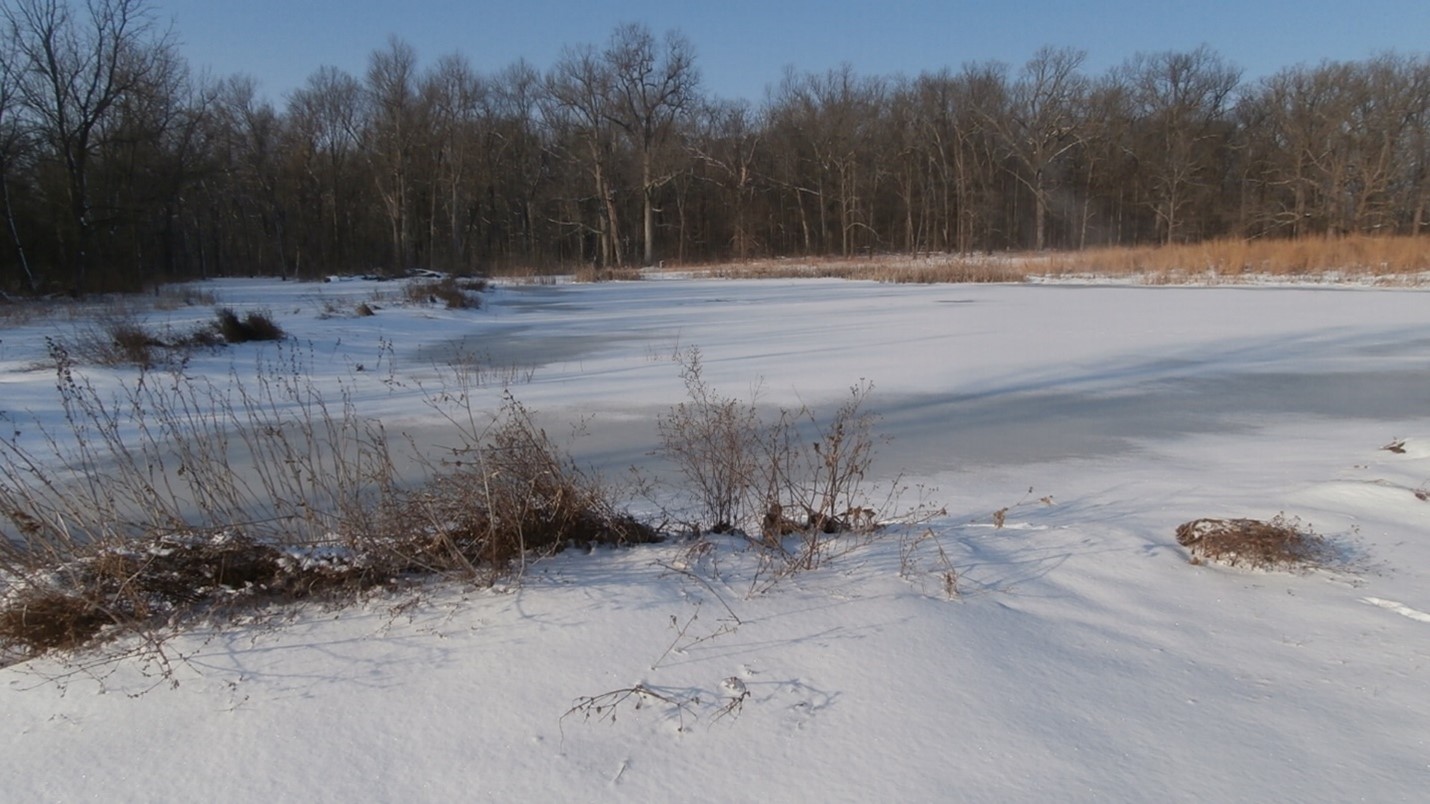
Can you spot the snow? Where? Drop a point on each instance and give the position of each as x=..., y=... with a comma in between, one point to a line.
x=1082, y=659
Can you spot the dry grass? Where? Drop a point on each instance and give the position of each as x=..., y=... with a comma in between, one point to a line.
x=1398, y=260
x=1402, y=258
x=451, y=292
x=931, y=269
x=1278, y=544
x=510, y=493
x=591, y=273
x=178, y=500
x=114, y=588
x=255, y=325
x=119, y=337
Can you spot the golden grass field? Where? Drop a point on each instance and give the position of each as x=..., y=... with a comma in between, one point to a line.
x=1400, y=260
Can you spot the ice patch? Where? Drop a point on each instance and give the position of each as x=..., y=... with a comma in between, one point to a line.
x=1399, y=608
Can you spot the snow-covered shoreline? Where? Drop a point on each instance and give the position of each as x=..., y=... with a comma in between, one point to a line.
x=1084, y=658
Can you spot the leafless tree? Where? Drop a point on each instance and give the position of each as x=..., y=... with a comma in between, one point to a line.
x=1180, y=100
x=75, y=67
x=650, y=88
x=1042, y=123
x=392, y=132
x=579, y=90
x=728, y=142
x=14, y=143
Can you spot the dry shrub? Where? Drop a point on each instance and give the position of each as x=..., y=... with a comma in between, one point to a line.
x=510, y=495
x=795, y=480
x=117, y=337
x=255, y=325
x=1278, y=544
x=101, y=530
x=714, y=441
x=453, y=293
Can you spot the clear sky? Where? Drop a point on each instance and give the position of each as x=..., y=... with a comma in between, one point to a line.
x=743, y=46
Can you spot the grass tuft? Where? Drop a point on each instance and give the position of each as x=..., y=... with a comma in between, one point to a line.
x=451, y=292
x=1277, y=544
x=255, y=325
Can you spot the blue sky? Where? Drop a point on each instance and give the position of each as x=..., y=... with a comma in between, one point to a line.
x=743, y=46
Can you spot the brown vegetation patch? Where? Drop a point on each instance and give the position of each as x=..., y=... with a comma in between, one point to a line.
x=255, y=325
x=1278, y=544
x=137, y=583
x=1397, y=260
x=509, y=494
x=591, y=273
x=451, y=292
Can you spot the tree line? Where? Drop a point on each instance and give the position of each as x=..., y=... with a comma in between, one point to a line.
x=119, y=166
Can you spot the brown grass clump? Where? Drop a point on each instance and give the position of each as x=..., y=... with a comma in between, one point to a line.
x=514, y=495
x=41, y=620
x=1278, y=544
x=118, y=338
x=131, y=585
x=255, y=325
x=591, y=273
x=451, y=292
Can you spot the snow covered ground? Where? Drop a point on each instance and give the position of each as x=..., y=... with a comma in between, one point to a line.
x=1083, y=658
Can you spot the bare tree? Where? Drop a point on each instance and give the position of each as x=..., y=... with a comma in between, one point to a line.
x=727, y=143
x=456, y=98
x=14, y=142
x=578, y=94
x=323, y=121
x=1180, y=101
x=75, y=69
x=649, y=90
x=391, y=139
x=1042, y=123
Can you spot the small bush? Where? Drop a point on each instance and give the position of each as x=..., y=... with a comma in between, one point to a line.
x=255, y=325
x=455, y=294
x=1278, y=544
x=794, y=477
x=117, y=338
x=512, y=495
x=715, y=442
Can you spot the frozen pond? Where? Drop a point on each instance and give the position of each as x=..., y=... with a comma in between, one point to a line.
x=973, y=375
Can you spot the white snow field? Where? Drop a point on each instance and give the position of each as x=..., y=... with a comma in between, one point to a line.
x=1082, y=658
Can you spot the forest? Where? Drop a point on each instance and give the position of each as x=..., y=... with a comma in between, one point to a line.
x=121, y=167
